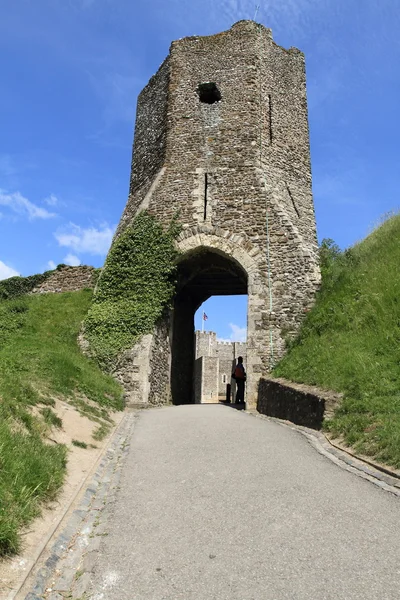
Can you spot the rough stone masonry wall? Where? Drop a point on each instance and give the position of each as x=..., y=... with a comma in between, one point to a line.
x=298, y=403
x=210, y=379
x=68, y=279
x=225, y=368
x=143, y=372
x=238, y=172
x=159, y=365
x=149, y=148
x=197, y=379
x=225, y=350
x=206, y=343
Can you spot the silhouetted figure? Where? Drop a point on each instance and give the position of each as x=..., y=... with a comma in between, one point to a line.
x=239, y=375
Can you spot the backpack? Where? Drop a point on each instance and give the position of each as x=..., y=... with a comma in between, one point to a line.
x=238, y=372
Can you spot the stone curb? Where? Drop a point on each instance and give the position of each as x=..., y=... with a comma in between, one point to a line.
x=354, y=464
x=66, y=571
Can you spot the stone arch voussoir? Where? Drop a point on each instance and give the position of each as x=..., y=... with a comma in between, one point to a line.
x=234, y=245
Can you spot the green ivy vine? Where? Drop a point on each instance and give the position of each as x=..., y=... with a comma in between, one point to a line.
x=18, y=286
x=135, y=287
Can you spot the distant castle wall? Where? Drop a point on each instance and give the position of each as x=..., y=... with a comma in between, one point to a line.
x=214, y=363
x=68, y=279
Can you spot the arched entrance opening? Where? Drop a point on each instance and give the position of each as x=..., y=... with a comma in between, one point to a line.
x=220, y=339
x=202, y=272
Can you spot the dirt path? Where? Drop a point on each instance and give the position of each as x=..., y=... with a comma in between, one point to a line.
x=81, y=462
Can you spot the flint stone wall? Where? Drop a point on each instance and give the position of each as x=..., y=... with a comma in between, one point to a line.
x=143, y=371
x=198, y=379
x=68, y=279
x=301, y=404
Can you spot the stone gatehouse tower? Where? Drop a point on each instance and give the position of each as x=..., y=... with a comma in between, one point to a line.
x=222, y=136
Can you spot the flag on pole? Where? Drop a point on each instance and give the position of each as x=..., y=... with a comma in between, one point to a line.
x=203, y=319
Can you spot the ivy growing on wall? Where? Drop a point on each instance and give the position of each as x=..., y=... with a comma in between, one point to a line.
x=15, y=287
x=18, y=286
x=136, y=285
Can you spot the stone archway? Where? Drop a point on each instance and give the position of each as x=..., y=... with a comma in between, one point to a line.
x=160, y=366
x=202, y=273
x=212, y=264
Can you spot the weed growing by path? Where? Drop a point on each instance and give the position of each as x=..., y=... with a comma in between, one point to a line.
x=51, y=418
x=30, y=472
x=79, y=444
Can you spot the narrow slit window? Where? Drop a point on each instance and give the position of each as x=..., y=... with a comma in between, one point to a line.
x=293, y=202
x=209, y=93
x=205, y=195
x=270, y=118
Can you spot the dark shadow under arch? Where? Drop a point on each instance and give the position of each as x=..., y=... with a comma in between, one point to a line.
x=202, y=273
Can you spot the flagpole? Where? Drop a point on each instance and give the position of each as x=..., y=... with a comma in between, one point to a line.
x=202, y=322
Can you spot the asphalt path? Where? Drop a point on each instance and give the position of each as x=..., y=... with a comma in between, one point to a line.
x=216, y=504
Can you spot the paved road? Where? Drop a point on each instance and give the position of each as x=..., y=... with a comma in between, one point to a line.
x=216, y=504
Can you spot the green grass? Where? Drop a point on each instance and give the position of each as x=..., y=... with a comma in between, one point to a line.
x=51, y=418
x=39, y=361
x=350, y=343
x=30, y=472
x=79, y=444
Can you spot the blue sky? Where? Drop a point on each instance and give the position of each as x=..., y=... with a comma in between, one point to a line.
x=72, y=69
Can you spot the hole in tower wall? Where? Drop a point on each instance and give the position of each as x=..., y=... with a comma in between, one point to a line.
x=205, y=195
x=208, y=93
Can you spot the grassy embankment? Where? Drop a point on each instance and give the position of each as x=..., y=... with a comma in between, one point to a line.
x=350, y=342
x=40, y=361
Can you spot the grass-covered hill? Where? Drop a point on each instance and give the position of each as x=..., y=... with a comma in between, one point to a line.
x=39, y=362
x=350, y=342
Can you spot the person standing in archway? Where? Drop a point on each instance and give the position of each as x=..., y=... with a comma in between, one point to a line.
x=239, y=375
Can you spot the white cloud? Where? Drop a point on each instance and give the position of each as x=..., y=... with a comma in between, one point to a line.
x=72, y=260
x=239, y=334
x=22, y=206
x=51, y=265
x=89, y=240
x=6, y=272
x=51, y=200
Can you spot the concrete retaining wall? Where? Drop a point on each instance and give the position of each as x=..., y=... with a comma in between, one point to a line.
x=301, y=404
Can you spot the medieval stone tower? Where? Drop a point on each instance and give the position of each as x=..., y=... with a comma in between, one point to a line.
x=222, y=136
